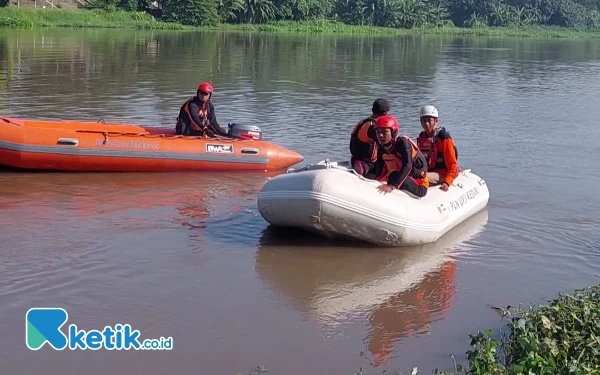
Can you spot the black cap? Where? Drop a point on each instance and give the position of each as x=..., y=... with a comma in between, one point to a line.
x=380, y=106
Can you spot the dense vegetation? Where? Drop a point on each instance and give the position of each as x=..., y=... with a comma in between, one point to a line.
x=579, y=14
x=562, y=337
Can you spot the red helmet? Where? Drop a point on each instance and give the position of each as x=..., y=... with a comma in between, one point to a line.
x=205, y=86
x=387, y=122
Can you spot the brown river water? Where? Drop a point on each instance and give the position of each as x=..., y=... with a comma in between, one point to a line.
x=188, y=256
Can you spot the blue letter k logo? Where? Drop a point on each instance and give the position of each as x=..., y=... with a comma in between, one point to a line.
x=43, y=325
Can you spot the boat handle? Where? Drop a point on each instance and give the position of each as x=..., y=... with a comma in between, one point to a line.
x=251, y=151
x=68, y=141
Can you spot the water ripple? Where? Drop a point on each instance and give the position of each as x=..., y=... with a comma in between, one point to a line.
x=191, y=255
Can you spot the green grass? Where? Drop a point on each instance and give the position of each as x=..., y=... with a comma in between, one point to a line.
x=331, y=27
x=30, y=17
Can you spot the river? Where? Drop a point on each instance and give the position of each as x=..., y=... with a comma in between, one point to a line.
x=188, y=255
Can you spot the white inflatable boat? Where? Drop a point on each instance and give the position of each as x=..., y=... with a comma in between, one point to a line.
x=330, y=199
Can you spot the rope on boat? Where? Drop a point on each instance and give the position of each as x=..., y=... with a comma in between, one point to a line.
x=8, y=120
x=327, y=164
x=106, y=134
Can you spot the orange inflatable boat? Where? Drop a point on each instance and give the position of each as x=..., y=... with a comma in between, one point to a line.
x=102, y=147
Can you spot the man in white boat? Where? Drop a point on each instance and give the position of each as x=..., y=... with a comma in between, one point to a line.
x=197, y=115
x=363, y=147
x=439, y=149
x=400, y=163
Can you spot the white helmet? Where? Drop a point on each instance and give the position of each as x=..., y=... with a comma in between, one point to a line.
x=429, y=110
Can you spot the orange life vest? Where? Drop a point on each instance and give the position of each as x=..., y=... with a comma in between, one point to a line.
x=184, y=120
x=430, y=147
x=202, y=113
x=365, y=151
x=393, y=162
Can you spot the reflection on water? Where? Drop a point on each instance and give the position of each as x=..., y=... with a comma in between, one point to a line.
x=56, y=212
x=188, y=255
x=397, y=291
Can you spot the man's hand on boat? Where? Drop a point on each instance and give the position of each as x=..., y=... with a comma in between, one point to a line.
x=385, y=188
x=444, y=187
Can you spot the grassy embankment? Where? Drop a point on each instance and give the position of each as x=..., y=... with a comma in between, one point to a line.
x=560, y=338
x=341, y=28
x=30, y=17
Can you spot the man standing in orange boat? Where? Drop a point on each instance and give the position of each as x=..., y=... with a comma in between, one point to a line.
x=197, y=115
x=400, y=163
x=438, y=148
x=363, y=147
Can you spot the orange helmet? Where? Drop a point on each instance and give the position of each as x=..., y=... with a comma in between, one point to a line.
x=387, y=122
x=205, y=86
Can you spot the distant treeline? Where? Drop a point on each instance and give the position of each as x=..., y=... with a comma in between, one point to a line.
x=579, y=14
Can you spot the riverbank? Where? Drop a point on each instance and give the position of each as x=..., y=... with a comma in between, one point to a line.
x=30, y=17
x=341, y=28
x=562, y=337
